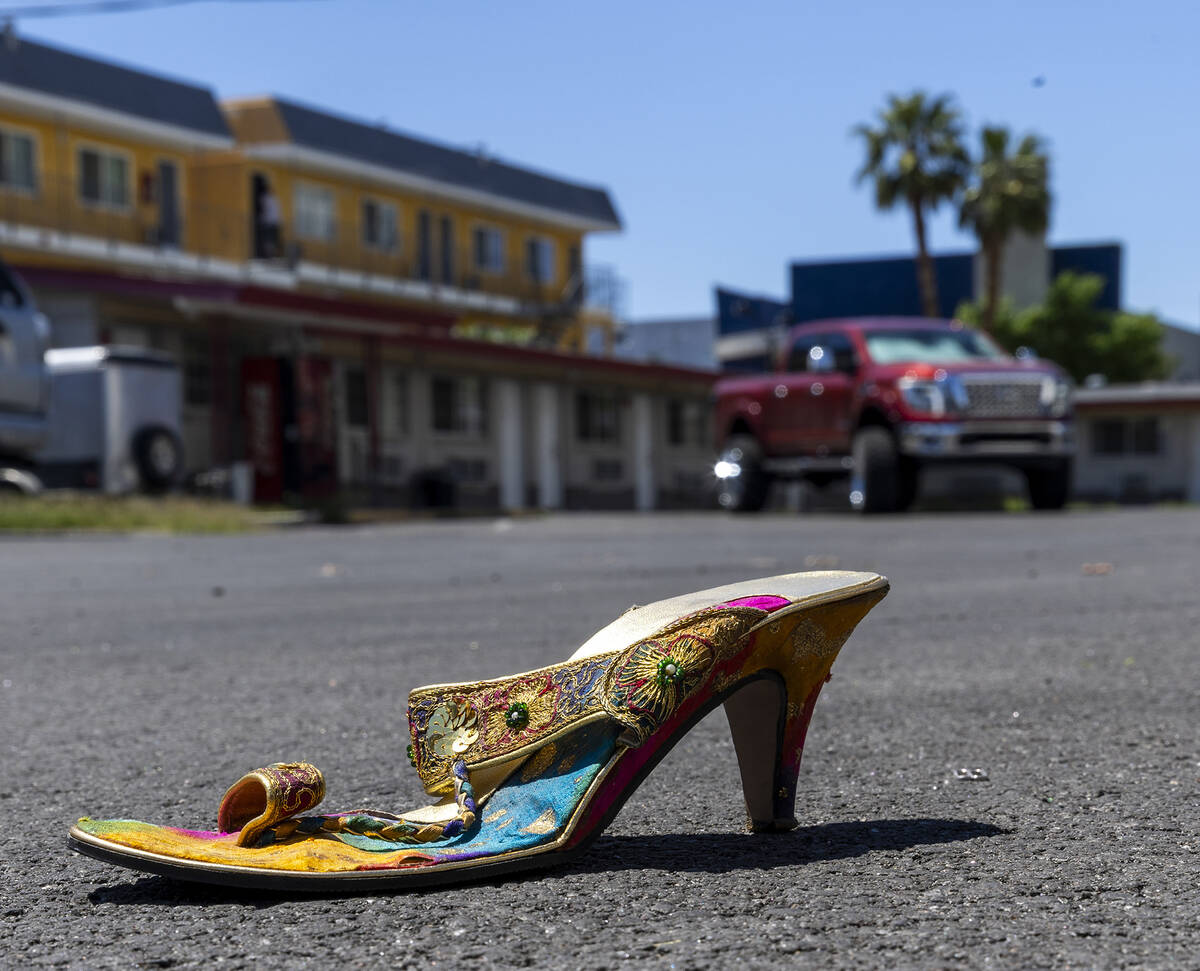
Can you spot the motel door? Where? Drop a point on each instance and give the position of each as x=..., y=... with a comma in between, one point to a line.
x=291, y=438
x=169, y=226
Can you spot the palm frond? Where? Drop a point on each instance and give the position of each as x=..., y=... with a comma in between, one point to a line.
x=916, y=151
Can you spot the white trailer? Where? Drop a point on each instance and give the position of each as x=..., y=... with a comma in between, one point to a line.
x=114, y=420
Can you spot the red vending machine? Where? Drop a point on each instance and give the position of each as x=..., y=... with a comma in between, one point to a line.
x=291, y=434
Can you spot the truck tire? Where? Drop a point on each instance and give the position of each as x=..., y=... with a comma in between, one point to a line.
x=875, y=483
x=158, y=455
x=746, y=491
x=1049, y=486
x=906, y=484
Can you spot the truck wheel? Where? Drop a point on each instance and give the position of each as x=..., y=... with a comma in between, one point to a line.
x=1050, y=486
x=158, y=455
x=906, y=483
x=746, y=491
x=875, y=484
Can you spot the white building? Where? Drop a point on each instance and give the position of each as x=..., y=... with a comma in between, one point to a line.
x=1139, y=442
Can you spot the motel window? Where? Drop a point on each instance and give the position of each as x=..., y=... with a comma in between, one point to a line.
x=539, y=259
x=446, y=248
x=424, y=245
x=103, y=178
x=488, y=248
x=459, y=405
x=1108, y=436
x=597, y=417
x=379, y=225
x=354, y=390
x=685, y=423
x=314, y=213
x=1126, y=436
x=1144, y=436
x=17, y=161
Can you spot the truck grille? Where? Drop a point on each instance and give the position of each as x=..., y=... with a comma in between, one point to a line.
x=991, y=398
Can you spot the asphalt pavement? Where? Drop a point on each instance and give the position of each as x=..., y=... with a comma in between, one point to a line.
x=1004, y=772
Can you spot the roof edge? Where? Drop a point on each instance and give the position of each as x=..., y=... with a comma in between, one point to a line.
x=349, y=164
x=91, y=115
x=346, y=165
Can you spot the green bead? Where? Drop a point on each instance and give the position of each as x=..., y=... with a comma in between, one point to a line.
x=412, y=758
x=670, y=671
x=517, y=716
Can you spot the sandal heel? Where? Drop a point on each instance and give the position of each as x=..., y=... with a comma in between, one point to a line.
x=769, y=712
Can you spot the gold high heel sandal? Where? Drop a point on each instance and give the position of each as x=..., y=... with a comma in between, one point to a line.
x=530, y=769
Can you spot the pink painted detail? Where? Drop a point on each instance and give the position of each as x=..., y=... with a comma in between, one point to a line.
x=795, y=732
x=614, y=785
x=767, y=603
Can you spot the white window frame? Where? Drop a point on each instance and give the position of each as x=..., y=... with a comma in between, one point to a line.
x=493, y=261
x=10, y=132
x=605, y=426
x=692, y=430
x=469, y=414
x=389, y=245
x=109, y=154
x=547, y=258
x=317, y=223
x=396, y=402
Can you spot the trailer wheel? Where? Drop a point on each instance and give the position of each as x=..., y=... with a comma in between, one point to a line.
x=158, y=455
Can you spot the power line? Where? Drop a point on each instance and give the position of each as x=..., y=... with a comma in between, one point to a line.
x=68, y=9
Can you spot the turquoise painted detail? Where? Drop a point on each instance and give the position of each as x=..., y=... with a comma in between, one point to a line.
x=534, y=811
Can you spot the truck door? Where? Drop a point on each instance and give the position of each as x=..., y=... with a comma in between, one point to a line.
x=832, y=394
x=791, y=423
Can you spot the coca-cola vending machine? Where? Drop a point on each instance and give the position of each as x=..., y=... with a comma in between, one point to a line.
x=291, y=435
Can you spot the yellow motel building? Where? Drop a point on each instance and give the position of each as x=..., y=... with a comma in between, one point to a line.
x=353, y=308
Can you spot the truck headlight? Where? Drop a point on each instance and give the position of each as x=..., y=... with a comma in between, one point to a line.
x=926, y=397
x=1056, y=396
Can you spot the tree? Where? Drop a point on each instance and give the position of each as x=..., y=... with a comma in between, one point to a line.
x=916, y=157
x=1083, y=339
x=1010, y=192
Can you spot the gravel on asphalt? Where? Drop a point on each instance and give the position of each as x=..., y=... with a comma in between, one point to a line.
x=1004, y=772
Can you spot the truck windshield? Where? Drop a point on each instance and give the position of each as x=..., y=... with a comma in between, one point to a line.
x=928, y=346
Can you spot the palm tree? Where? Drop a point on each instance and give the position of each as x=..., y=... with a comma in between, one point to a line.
x=1010, y=192
x=916, y=157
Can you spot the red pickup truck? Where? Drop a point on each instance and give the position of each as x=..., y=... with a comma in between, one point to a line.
x=878, y=398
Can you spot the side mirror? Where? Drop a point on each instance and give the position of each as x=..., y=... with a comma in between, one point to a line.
x=820, y=360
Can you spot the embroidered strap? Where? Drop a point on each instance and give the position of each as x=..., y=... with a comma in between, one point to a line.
x=395, y=829
x=266, y=796
x=488, y=722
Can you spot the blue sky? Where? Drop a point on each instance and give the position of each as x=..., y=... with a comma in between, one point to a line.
x=722, y=130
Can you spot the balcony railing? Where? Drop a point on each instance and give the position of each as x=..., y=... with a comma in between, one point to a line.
x=59, y=209
x=54, y=216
